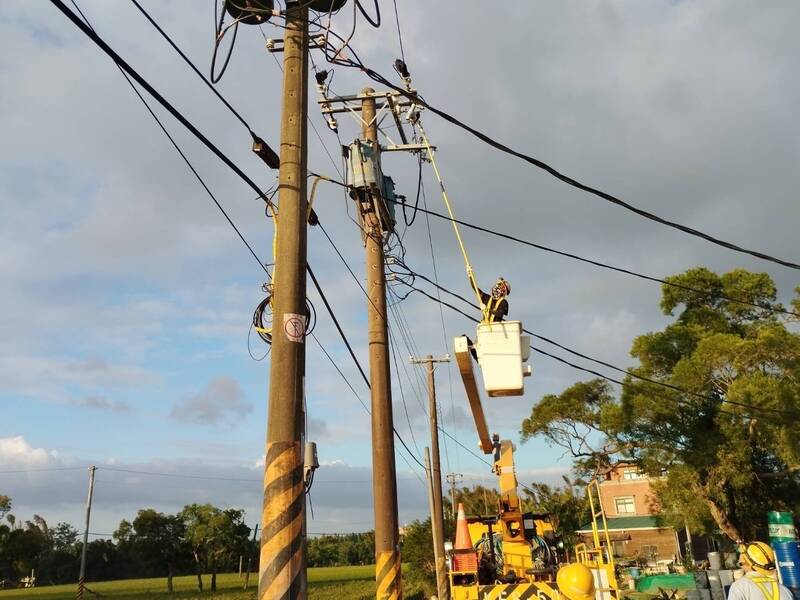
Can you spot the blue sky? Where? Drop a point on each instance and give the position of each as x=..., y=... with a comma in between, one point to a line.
x=126, y=297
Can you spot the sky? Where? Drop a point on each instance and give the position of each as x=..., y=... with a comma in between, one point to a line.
x=126, y=298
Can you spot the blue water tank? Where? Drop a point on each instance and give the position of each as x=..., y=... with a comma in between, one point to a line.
x=787, y=559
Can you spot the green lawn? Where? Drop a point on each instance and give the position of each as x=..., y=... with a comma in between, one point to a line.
x=328, y=583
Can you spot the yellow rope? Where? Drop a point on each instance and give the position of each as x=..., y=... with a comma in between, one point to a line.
x=485, y=308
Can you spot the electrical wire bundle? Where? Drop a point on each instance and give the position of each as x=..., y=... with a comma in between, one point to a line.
x=262, y=317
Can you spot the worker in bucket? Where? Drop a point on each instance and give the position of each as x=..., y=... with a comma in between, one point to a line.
x=760, y=581
x=495, y=304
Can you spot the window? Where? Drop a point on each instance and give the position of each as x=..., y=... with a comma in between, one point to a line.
x=631, y=474
x=650, y=552
x=618, y=548
x=625, y=505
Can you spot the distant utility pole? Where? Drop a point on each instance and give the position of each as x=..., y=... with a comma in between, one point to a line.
x=249, y=559
x=453, y=479
x=384, y=474
x=82, y=574
x=437, y=534
x=436, y=473
x=282, y=563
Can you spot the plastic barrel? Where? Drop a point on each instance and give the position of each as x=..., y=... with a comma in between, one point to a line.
x=787, y=559
x=781, y=526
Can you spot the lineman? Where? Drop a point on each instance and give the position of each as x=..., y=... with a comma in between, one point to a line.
x=496, y=305
x=760, y=581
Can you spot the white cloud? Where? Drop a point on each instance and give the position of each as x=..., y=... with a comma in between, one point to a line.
x=17, y=452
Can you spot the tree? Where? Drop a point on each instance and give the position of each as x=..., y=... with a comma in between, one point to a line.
x=228, y=538
x=197, y=520
x=568, y=511
x=63, y=536
x=477, y=500
x=5, y=505
x=724, y=427
x=160, y=539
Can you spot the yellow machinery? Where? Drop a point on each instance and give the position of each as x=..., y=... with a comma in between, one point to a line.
x=599, y=558
x=523, y=565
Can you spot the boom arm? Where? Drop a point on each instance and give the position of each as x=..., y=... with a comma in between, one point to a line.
x=464, y=360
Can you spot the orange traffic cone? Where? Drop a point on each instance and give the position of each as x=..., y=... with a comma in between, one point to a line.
x=465, y=557
x=463, y=539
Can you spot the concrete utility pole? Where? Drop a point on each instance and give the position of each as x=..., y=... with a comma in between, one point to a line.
x=436, y=474
x=282, y=563
x=453, y=479
x=249, y=559
x=82, y=574
x=384, y=479
x=437, y=534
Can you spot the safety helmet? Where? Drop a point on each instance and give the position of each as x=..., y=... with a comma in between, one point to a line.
x=758, y=555
x=504, y=284
x=576, y=582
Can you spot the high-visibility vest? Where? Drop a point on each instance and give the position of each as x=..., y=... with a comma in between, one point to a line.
x=768, y=586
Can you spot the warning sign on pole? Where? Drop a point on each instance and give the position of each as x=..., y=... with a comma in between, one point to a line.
x=294, y=326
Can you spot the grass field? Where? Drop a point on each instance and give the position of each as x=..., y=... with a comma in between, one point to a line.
x=328, y=583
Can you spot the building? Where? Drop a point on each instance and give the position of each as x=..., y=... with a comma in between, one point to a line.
x=632, y=512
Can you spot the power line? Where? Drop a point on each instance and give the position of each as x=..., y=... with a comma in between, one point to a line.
x=415, y=97
x=158, y=97
x=124, y=65
x=605, y=265
x=356, y=62
x=42, y=470
x=609, y=365
x=192, y=66
x=667, y=282
x=353, y=355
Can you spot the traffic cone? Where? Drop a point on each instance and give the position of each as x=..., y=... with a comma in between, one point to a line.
x=463, y=539
x=465, y=557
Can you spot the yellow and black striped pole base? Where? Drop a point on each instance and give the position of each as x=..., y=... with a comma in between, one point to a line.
x=81, y=586
x=282, y=524
x=388, y=576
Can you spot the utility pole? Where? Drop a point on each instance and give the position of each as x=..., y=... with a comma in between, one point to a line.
x=82, y=574
x=437, y=534
x=436, y=473
x=249, y=559
x=453, y=479
x=282, y=557
x=384, y=478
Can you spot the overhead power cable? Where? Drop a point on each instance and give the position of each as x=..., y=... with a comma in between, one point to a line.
x=586, y=188
x=611, y=366
x=192, y=66
x=680, y=286
x=355, y=359
x=175, y=113
x=356, y=62
x=353, y=354
x=155, y=94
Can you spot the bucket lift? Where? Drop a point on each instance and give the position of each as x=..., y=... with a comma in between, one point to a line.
x=502, y=351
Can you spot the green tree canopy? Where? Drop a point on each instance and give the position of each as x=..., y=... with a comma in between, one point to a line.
x=719, y=413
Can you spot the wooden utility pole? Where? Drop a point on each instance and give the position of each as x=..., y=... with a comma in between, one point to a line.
x=282, y=557
x=436, y=473
x=384, y=479
x=82, y=574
